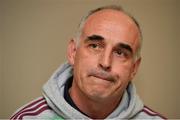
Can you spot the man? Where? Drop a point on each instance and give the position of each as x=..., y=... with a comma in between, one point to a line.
x=96, y=82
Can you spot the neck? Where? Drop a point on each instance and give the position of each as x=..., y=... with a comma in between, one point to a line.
x=95, y=109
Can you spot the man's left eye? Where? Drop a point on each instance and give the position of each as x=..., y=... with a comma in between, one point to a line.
x=121, y=53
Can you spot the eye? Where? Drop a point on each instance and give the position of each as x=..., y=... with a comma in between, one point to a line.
x=94, y=46
x=121, y=53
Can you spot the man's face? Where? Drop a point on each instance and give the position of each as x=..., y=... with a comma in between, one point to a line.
x=103, y=61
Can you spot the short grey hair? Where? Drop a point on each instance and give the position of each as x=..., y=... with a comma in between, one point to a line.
x=112, y=7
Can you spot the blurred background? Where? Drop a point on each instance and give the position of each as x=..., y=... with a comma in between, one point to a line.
x=34, y=35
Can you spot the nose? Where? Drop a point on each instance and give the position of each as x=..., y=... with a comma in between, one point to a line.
x=105, y=60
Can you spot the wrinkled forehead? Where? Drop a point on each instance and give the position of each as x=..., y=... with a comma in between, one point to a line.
x=112, y=25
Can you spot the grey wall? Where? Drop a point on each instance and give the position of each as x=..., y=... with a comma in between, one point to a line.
x=1, y=52
x=35, y=34
x=159, y=75
x=0, y=76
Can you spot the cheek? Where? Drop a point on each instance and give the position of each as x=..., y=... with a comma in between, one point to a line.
x=122, y=70
x=84, y=58
x=83, y=62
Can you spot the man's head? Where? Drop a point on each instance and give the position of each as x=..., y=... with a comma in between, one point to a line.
x=112, y=7
x=105, y=59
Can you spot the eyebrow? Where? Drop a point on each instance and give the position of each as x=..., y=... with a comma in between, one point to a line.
x=95, y=38
x=125, y=46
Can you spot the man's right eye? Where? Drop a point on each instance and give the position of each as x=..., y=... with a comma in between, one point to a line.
x=94, y=46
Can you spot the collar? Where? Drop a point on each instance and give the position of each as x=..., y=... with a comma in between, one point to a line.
x=67, y=96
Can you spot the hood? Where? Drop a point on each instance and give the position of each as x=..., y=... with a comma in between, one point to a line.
x=53, y=91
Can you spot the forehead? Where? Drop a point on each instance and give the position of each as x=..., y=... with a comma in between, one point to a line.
x=112, y=25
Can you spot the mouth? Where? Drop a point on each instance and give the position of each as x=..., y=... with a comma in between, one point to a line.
x=102, y=75
x=103, y=78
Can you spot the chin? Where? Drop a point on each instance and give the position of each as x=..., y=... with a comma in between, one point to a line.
x=98, y=93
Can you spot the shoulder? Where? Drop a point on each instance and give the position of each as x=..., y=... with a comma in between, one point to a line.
x=33, y=108
x=147, y=112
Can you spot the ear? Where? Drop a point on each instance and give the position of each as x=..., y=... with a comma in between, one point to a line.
x=135, y=68
x=71, y=51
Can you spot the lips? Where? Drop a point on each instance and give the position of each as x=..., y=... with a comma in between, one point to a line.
x=102, y=75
